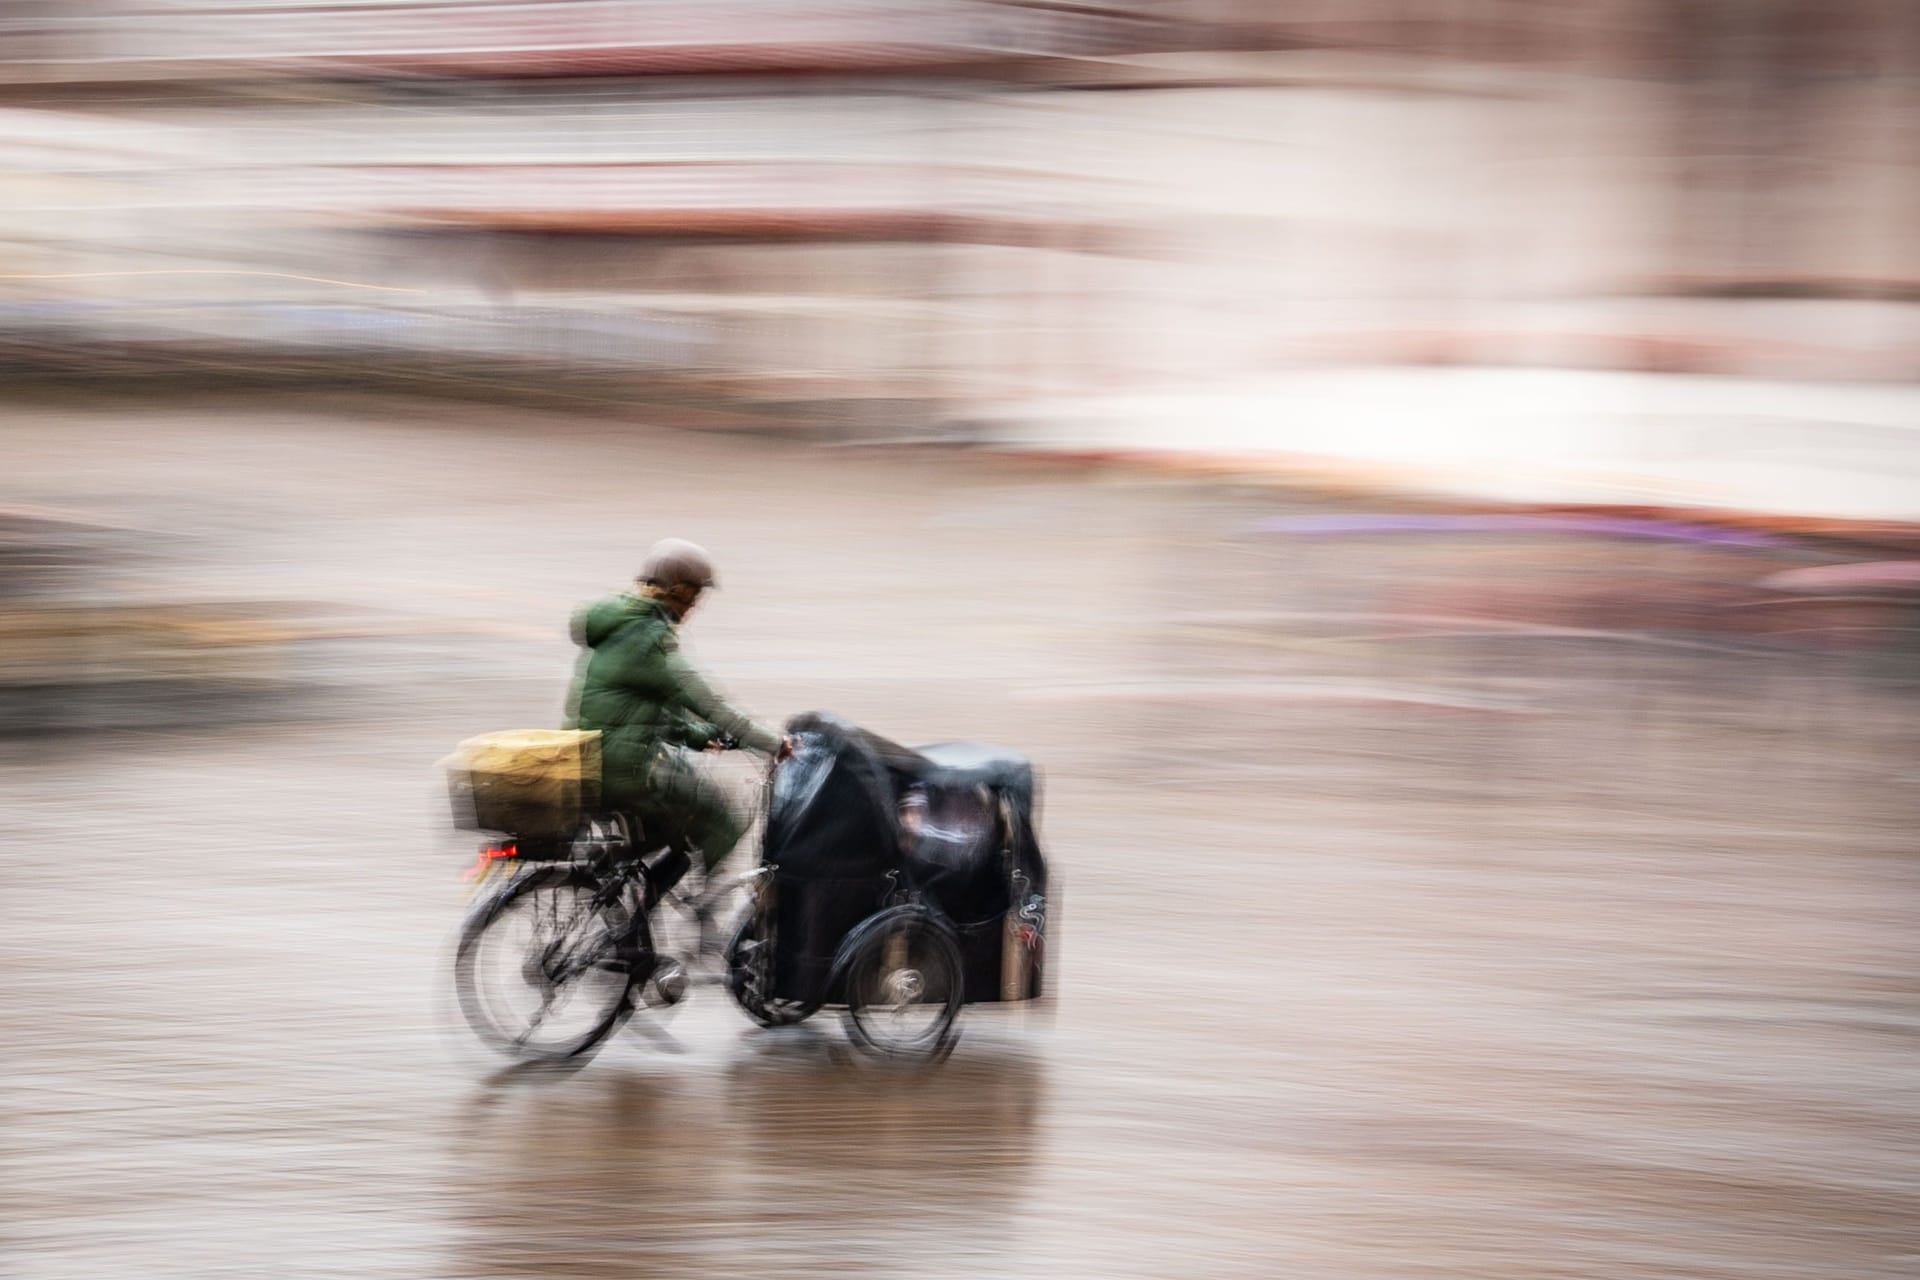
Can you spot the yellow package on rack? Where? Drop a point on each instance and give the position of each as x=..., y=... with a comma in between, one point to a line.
x=527, y=782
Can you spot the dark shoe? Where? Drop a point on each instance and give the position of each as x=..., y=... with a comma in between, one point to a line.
x=664, y=872
x=669, y=983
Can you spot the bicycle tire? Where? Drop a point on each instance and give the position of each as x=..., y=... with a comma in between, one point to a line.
x=540, y=972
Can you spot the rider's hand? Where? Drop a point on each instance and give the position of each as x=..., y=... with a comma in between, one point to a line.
x=786, y=750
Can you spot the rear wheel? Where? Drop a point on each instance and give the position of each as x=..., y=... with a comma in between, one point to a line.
x=536, y=970
x=903, y=985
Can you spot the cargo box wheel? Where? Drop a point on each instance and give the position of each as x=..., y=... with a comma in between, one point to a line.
x=904, y=987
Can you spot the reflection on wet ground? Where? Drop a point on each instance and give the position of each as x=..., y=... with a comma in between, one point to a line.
x=781, y=1159
x=1383, y=951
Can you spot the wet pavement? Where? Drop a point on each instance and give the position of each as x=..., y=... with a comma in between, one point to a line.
x=1404, y=958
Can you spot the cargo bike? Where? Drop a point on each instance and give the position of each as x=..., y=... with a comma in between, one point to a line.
x=894, y=885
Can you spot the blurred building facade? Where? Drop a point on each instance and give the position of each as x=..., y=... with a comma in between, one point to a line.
x=938, y=208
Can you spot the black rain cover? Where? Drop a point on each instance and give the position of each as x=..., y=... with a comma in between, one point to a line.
x=832, y=811
x=952, y=774
x=833, y=832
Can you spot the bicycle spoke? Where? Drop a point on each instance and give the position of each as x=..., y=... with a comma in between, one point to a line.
x=533, y=985
x=533, y=1024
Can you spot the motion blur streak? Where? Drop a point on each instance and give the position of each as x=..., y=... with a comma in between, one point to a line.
x=1435, y=486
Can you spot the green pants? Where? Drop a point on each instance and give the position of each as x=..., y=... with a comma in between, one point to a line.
x=673, y=799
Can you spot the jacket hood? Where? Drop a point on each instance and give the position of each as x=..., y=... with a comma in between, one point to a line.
x=607, y=615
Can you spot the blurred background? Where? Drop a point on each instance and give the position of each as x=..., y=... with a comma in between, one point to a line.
x=1434, y=483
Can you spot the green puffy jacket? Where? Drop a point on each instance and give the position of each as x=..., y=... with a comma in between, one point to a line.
x=633, y=684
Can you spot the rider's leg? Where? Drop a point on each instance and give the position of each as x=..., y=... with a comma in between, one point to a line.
x=715, y=829
x=702, y=809
x=626, y=787
x=672, y=799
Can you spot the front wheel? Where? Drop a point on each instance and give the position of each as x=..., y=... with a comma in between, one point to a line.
x=750, y=976
x=903, y=984
x=536, y=969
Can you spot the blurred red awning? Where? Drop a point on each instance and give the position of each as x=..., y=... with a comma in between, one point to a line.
x=822, y=200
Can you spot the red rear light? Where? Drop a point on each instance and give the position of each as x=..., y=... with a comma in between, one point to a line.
x=490, y=853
